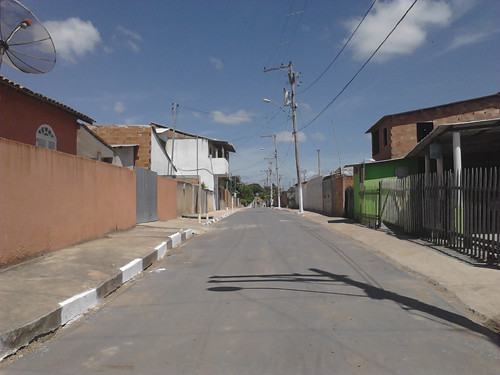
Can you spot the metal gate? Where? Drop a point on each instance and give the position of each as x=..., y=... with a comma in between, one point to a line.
x=146, y=195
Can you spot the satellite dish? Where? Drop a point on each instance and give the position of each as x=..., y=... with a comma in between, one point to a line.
x=25, y=44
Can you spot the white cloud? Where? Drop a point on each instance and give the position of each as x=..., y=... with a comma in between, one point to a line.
x=73, y=38
x=318, y=137
x=132, y=34
x=119, y=107
x=133, y=38
x=285, y=136
x=217, y=63
x=133, y=45
x=469, y=38
x=409, y=35
x=235, y=118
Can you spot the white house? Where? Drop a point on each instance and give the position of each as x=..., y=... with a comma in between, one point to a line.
x=194, y=155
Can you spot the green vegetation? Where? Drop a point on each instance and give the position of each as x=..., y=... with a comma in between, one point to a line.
x=247, y=193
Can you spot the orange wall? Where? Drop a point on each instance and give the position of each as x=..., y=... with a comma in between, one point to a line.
x=21, y=116
x=167, y=198
x=50, y=200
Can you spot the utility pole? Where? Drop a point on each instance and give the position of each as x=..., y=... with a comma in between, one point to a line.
x=319, y=162
x=270, y=169
x=293, y=105
x=277, y=170
x=174, y=121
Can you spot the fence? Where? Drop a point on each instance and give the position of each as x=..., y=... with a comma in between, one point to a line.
x=461, y=212
x=50, y=200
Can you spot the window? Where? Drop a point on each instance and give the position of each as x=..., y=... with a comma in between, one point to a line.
x=424, y=128
x=385, y=137
x=46, y=138
x=375, y=143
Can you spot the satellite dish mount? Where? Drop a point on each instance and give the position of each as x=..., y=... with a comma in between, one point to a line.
x=25, y=44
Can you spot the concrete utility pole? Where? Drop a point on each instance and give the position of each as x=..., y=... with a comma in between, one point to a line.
x=174, y=121
x=270, y=170
x=319, y=162
x=293, y=105
x=277, y=170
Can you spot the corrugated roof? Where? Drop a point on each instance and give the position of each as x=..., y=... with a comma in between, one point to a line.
x=15, y=86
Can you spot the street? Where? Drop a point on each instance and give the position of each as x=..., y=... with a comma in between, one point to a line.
x=269, y=292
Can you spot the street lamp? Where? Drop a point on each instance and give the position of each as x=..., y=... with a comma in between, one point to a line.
x=294, y=120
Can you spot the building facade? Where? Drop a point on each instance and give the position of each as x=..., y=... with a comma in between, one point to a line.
x=393, y=136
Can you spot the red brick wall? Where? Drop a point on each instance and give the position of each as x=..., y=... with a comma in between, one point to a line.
x=129, y=135
x=22, y=115
x=402, y=128
x=340, y=187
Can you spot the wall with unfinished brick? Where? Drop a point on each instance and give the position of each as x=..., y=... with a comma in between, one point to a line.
x=402, y=128
x=129, y=135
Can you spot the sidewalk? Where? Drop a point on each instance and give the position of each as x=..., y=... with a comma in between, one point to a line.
x=40, y=295
x=476, y=287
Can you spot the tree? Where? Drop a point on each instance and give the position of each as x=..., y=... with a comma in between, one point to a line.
x=247, y=193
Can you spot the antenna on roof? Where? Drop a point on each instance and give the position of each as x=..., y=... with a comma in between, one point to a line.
x=25, y=44
x=174, y=120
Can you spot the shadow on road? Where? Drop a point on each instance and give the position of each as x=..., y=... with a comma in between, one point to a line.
x=319, y=276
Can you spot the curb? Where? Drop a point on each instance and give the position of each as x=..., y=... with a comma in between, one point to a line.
x=210, y=222
x=71, y=308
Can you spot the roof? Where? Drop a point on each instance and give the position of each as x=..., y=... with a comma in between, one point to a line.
x=475, y=136
x=17, y=87
x=374, y=126
x=373, y=162
x=182, y=134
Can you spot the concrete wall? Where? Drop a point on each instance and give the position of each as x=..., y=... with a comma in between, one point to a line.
x=334, y=187
x=185, y=199
x=186, y=152
x=312, y=194
x=50, y=200
x=167, y=198
x=160, y=163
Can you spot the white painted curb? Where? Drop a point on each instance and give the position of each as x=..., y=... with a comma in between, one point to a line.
x=161, y=250
x=210, y=222
x=131, y=270
x=176, y=239
x=77, y=305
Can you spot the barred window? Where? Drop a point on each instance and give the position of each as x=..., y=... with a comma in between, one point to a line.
x=45, y=137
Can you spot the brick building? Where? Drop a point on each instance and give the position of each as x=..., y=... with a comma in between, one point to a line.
x=136, y=146
x=393, y=136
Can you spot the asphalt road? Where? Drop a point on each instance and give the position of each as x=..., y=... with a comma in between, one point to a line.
x=268, y=292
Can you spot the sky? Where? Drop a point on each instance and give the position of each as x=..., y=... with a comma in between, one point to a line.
x=127, y=61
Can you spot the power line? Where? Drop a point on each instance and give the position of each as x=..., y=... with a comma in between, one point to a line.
x=360, y=69
x=301, y=14
x=341, y=50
